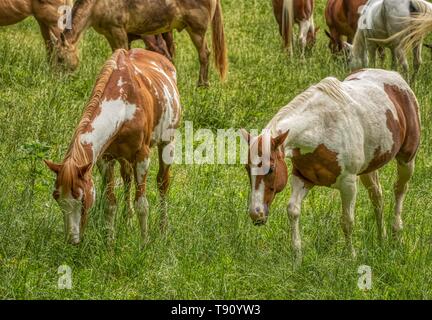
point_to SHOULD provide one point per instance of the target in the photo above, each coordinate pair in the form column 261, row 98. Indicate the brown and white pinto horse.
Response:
column 342, row 19
column 134, row 106
column 288, row 12
column 118, row 19
column 332, row 133
column 46, row 12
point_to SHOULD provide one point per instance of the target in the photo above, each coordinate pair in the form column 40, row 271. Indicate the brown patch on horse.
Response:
column 319, row 168
column 342, row 18
column 380, row 159
column 408, row 113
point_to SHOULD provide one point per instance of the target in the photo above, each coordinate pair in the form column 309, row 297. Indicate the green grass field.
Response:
column 212, row 250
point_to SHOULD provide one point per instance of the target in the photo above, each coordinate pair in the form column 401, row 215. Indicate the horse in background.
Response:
column 160, row 43
column 332, row 133
column 382, row 20
column 134, row 106
column 419, row 26
column 45, row 12
column 115, row 19
column 290, row 12
column 342, row 19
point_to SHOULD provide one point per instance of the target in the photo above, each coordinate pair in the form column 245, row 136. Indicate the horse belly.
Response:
column 150, row 17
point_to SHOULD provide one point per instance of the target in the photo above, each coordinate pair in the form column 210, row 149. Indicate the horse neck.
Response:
column 78, row 154
column 81, row 19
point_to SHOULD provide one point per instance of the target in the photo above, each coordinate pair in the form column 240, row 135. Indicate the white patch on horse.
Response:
column 169, row 116
column 114, row 113
column 142, row 169
column 257, row 196
column 71, row 209
column 121, row 83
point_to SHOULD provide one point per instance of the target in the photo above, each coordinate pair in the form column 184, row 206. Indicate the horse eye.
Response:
column 56, row 195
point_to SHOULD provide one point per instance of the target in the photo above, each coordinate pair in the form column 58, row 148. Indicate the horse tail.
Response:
column 288, row 24
column 419, row 25
column 219, row 43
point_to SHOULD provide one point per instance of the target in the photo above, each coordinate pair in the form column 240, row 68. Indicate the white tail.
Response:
column 420, row 24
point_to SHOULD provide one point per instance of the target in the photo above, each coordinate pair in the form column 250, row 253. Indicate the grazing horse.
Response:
column 115, row 19
column 342, row 19
column 382, row 20
column 288, row 12
column 46, row 13
column 332, row 133
column 134, row 106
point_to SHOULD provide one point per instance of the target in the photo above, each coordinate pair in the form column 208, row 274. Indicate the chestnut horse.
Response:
column 288, row 12
column 134, row 106
column 45, row 12
column 115, row 19
column 332, row 133
column 342, row 19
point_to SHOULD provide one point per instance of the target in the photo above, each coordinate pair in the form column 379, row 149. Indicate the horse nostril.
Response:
column 257, row 210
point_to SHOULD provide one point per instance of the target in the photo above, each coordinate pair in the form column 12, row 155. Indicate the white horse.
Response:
column 381, row 23
column 332, row 133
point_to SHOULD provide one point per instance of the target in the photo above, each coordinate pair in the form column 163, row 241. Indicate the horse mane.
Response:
column 76, row 152
column 80, row 12
column 330, row 86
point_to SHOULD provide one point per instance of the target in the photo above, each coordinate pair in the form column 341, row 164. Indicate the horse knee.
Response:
column 293, row 211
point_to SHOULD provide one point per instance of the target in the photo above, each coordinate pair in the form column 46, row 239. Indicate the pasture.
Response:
column 211, row 250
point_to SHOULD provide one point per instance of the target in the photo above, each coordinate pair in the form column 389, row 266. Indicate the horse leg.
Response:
column 304, row 29
column 417, row 56
column 118, row 39
column 299, row 192
column 373, row 186
column 163, row 181
column 382, row 56
column 169, row 40
column 402, row 60
column 47, row 39
column 199, row 40
column 348, row 191
column 404, row 173
column 126, row 173
column 372, row 50
column 106, row 169
column 141, row 204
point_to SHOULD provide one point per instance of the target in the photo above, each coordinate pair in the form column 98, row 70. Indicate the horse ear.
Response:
column 279, row 140
column 54, row 167
column 84, row 169
column 245, row 135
